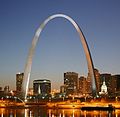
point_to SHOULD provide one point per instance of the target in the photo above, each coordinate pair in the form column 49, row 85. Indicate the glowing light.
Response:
column 25, row 100
column 39, row 90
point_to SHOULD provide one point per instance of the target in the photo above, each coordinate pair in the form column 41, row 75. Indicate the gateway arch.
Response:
column 28, row 66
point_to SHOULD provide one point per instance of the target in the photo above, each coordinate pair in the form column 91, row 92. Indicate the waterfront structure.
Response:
column 42, row 87
column 71, row 82
column 19, row 81
column 32, row 49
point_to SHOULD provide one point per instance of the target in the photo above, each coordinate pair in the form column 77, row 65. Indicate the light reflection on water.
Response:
column 38, row 112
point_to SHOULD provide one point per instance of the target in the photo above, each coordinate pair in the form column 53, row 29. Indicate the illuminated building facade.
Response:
column 19, row 81
column 110, row 83
column 71, row 82
column 116, row 84
column 103, row 89
column 42, row 86
column 63, row 89
column 98, row 81
column 82, row 85
column 88, row 85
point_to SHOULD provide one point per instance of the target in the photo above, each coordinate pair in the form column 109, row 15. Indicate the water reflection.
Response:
column 39, row 112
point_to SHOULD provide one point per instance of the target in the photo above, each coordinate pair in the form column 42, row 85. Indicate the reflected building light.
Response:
column 49, row 113
column 109, row 114
column 53, row 115
column 73, row 113
column 100, row 114
column 26, row 113
column 85, row 114
column 2, row 114
column 11, row 115
column 15, row 114
column 63, row 113
column 96, row 112
column 60, row 115
column 31, row 114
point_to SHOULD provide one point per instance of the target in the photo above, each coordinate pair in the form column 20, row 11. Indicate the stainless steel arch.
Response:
column 32, row 49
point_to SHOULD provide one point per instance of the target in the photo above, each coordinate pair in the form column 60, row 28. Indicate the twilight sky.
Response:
column 59, row 49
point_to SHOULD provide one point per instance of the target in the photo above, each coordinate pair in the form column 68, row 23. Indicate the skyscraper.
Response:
column 98, row 82
column 116, row 84
column 19, row 80
column 82, row 85
column 71, row 82
column 88, row 85
column 42, row 86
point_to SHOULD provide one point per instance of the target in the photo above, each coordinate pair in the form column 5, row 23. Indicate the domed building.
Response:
column 103, row 89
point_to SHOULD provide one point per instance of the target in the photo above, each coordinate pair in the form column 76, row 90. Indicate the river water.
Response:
column 39, row 112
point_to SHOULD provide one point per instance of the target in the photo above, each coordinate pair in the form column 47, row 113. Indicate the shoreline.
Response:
column 63, row 105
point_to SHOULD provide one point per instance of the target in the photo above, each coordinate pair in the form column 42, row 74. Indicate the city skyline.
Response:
column 59, row 49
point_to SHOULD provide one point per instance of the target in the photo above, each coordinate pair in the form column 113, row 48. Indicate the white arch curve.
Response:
column 32, row 49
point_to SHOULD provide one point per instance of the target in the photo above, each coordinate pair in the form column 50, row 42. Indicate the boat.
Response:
column 103, row 108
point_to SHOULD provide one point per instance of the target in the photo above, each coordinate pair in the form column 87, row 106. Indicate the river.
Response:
column 41, row 112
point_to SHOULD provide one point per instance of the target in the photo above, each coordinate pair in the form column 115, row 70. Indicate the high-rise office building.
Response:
column 116, row 84
column 88, row 85
column 82, row 85
column 71, row 82
column 42, row 86
column 19, row 80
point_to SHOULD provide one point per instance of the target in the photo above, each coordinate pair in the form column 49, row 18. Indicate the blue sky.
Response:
column 59, row 49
